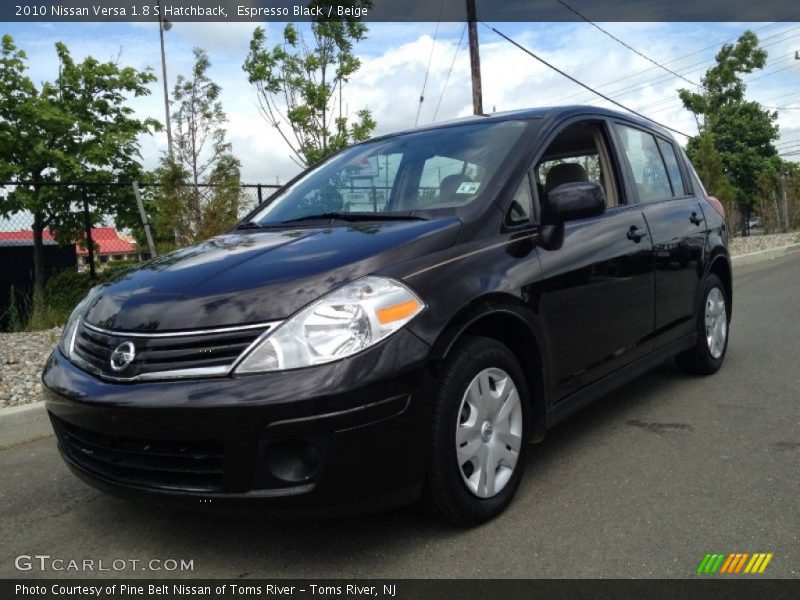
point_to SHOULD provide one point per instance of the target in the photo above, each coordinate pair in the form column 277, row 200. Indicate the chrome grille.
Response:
column 164, row 355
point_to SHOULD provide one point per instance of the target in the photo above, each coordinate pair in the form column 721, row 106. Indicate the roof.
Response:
column 25, row 235
column 107, row 240
column 542, row 112
column 24, row 238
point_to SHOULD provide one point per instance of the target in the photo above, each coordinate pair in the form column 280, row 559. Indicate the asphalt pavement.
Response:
column 641, row 484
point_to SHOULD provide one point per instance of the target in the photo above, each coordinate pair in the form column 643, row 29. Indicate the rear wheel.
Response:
column 709, row 351
column 478, row 434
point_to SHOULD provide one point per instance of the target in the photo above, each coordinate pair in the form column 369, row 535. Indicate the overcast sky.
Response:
column 394, row 62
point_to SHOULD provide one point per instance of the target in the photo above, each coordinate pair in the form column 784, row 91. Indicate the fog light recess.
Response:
column 293, row 461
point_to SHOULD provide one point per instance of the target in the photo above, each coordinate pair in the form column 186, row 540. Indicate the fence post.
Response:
column 145, row 222
column 260, row 200
column 87, row 222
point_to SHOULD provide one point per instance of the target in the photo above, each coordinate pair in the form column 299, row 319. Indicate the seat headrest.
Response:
column 449, row 185
column 564, row 173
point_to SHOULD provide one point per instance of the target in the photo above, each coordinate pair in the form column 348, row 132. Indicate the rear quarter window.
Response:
column 673, row 168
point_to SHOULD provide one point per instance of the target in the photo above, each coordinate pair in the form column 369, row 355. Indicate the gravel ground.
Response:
column 22, row 357
column 23, row 354
column 754, row 243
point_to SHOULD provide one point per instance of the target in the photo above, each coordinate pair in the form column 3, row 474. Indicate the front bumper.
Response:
column 350, row 434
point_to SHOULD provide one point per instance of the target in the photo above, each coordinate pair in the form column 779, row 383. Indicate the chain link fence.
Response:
column 85, row 232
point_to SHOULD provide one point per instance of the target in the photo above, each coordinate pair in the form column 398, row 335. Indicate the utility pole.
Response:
column 164, row 25
column 474, row 59
column 784, row 214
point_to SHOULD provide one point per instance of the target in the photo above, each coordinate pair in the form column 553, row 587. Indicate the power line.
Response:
column 580, row 83
column 693, row 68
column 628, row 46
column 782, row 96
column 651, row 107
column 773, row 72
column 430, row 59
column 687, row 68
column 449, row 71
column 699, row 67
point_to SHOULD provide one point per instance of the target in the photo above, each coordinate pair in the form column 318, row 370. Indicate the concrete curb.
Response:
column 20, row 424
column 762, row 255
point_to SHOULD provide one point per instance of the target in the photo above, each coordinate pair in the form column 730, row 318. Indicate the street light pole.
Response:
column 164, row 25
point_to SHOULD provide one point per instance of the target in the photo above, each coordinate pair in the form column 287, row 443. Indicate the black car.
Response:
column 398, row 323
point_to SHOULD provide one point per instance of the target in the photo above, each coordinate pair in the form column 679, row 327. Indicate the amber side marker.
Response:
column 397, row 311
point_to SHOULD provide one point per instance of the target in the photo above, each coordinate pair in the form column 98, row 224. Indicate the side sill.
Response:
column 583, row 397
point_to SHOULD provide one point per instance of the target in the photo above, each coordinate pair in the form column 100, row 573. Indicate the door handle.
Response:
column 696, row 219
column 636, row 233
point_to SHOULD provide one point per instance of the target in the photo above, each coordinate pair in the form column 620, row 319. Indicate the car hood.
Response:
column 258, row 275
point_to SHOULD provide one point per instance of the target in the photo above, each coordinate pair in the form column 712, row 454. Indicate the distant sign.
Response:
column 367, row 167
column 358, row 196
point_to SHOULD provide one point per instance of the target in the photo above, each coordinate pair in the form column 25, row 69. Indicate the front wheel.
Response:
column 709, row 351
column 478, row 434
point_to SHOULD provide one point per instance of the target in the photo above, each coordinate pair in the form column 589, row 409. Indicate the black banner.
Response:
column 404, row 589
column 398, row 10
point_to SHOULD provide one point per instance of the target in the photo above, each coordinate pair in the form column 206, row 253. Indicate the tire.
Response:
column 474, row 401
column 708, row 353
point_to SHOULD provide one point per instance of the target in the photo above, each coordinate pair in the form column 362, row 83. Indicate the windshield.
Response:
column 440, row 168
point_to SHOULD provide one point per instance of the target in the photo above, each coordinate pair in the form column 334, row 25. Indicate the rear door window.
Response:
column 647, row 166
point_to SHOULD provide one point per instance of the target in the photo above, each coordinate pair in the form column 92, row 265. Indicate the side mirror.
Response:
column 574, row 200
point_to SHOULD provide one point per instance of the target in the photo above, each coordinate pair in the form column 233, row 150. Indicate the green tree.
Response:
column 768, row 197
column 742, row 132
column 297, row 84
column 707, row 160
column 79, row 128
column 210, row 203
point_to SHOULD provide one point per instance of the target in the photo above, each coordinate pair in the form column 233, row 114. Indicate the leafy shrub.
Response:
column 66, row 288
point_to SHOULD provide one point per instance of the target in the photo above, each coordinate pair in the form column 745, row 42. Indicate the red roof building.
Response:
column 108, row 242
column 24, row 236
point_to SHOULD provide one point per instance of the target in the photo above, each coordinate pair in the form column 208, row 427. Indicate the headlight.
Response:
column 340, row 324
column 71, row 328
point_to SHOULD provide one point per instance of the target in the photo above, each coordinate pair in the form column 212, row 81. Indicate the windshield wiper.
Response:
column 250, row 225
column 358, row 217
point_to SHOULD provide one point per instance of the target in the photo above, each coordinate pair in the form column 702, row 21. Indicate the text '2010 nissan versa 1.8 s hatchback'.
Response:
column 400, row 321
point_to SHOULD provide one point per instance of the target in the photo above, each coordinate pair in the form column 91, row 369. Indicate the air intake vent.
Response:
column 188, row 466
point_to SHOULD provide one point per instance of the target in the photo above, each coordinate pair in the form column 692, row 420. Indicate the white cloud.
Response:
column 394, row 62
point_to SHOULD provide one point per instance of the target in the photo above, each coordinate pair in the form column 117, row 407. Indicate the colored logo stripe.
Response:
column 758, row 563
column 733, row 563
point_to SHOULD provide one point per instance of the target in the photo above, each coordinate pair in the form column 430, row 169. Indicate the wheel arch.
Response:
column 508, row 321
column 721, row 267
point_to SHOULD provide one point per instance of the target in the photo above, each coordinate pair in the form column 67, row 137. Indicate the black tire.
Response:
column 699, row 360
column 445, row 493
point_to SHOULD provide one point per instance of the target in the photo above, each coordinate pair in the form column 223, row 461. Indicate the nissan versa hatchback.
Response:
column 399, row 322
